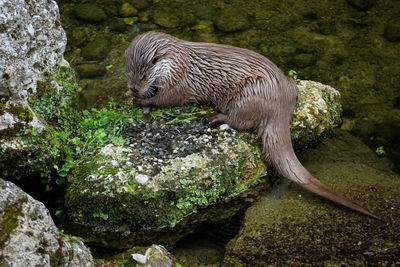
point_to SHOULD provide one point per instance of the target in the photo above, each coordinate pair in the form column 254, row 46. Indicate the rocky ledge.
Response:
column 174, row 167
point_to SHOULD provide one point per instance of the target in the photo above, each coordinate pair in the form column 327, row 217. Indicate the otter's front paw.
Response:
column 141, row 102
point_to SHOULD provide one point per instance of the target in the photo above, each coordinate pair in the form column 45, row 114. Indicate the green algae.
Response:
column 294, row 227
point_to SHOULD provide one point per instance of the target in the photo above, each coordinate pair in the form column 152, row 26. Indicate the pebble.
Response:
column 156, row 142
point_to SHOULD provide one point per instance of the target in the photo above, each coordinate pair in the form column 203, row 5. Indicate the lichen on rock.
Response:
column 317, row 112
column 131, row 188
column 172, row 168
column 29, row 237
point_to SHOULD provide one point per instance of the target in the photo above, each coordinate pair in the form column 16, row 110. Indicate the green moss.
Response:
column 334, row 109
column 299, row 228
column 57, row 257
column 24, row 114
column 9, row 221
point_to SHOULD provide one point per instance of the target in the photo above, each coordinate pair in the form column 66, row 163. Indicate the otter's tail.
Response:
column 277, row 147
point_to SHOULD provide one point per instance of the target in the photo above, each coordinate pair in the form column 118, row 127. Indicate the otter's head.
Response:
column 151, row 62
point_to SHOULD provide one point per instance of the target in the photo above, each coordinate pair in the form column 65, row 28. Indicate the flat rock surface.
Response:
column 293, row 227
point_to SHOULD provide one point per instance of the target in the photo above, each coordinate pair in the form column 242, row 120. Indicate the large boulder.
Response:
column 37, row 90
column 29, row 237
column 172, row 169
column 293, row 227
column 32, row 43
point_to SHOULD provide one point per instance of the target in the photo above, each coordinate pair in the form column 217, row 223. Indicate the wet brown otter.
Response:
column 250, row 91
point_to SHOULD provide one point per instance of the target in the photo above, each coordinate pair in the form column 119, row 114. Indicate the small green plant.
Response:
column 293, row 74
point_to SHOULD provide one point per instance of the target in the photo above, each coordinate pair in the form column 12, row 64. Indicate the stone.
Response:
column 32, row 43
column 362, row 5
column 232, row 19
column 127, row 10
column 133, row 191
column 97, row 49
column 29, row 237
column 206, row 12
column 141, row 4
column 117, row 25
column 290, row 225
column 166, row 17
column 304, row 60
column 155, row 256
column 91, row 70
column 90, row 12
column 392, row 30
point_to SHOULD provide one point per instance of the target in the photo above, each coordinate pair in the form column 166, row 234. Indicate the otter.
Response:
column 250, row 91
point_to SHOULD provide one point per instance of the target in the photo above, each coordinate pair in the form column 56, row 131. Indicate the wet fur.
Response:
column 250, row 91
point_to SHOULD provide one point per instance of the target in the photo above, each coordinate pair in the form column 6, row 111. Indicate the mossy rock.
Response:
column 317, row 113
column 293, row 227
column 166, row 16
column 232, row 19
column 97, row 49
column 90, row 12
column 126, row 194
column 29, row 152
column 129, row 189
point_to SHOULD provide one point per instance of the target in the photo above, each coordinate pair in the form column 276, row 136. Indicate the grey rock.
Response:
column 32, row 42
column 156, row 183
column 29, row 235
column 90, row 12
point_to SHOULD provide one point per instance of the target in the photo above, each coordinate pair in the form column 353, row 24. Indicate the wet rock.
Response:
column 166, row 17
column 131, row 192
column 91, row 70
column 206, row 12
column 392, row 30
column 362, row 5
column 204, row 26
column 141, row 4
column 29, row 237
column 293, row 225
column 117, row 25
column 206, row 37
column 97, row 49
column 127, row 10
column 304, row 60
column 155, row 256
column 90, row 12
column 232, row 19
column 77, row 37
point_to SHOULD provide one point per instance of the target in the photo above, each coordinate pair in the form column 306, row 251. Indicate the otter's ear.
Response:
column 154, row 61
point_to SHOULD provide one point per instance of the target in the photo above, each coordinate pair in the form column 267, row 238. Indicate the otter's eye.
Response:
column 154, row 61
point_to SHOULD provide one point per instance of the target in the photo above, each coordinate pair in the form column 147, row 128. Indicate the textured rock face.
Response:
column 29, row 237
column 293, row 227
column 32, row 42
column 169, row 171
